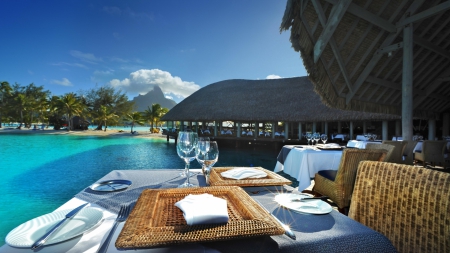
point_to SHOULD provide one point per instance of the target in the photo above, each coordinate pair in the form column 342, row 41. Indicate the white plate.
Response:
column 312, row 206
column 111, row 185
column 27, row 233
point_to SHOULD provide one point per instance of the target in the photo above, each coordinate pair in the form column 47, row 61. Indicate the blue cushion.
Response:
column 328, row 174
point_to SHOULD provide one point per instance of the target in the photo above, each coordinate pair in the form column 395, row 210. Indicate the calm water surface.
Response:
column 41, row 172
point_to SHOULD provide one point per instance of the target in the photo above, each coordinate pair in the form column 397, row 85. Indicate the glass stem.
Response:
column 186, row 171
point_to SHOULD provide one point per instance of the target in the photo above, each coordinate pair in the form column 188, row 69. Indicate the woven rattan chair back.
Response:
column 432, row 152
column 387, row 147
column 408, row 152
column 340, row 190
column 409, row 205
column 397, row 153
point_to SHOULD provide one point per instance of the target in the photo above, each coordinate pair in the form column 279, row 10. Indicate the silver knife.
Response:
column 41, row 241
column 286, row 228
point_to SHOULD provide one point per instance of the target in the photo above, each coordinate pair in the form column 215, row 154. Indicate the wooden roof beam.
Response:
column 430, row 46
column 376, row 57
column 424, row 14
column 432, row 87
column 368, row 16
column 337, row 12
column 334, row 47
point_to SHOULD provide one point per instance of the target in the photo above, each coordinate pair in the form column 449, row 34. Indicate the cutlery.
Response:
column 121, row 217
column 309, row 199
column 287, row 230
column 41, row 241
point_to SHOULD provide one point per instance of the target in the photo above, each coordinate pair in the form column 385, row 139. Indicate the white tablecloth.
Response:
column 304, row 163
column 359, row 144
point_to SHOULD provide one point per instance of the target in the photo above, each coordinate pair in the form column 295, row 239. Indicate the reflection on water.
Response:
column 41, row 172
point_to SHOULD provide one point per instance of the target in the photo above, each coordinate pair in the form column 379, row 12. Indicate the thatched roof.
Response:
column 288, row 99
column 353, row 52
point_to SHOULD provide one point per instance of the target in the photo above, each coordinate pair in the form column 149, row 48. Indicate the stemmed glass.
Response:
column 324, row 138
column 316, row 137
column 208, row 159
column 308, row 137
column 203, row 148
column 186, row 143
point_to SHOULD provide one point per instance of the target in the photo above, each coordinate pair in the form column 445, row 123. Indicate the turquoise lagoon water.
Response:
column 41, row 172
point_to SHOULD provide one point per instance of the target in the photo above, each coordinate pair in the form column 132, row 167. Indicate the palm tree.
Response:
column 70, row 105
column 21, row 105
column 105, row 114
column 5, row 90
column 153, row 114
column 135, row 118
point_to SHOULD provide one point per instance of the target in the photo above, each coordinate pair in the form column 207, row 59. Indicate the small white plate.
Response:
column 27, row 233
column 111, row 185
column 311, row 206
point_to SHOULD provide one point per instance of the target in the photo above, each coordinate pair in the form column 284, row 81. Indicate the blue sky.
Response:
column 68, row 46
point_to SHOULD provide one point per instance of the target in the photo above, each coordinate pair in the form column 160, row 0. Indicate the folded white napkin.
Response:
column 241, row 173
column 203, row 209
column 332, row 145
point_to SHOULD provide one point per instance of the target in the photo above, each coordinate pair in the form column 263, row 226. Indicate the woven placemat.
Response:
column 156, row 221
column 272, row 179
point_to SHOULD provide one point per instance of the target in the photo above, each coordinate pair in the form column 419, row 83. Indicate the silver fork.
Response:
column 121, row 217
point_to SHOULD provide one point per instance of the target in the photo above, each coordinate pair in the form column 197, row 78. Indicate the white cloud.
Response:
column 116, row 11
column 63, row 82
column 273, row 77
column 143, row 80
column 168, row 97
column 79, row 65
column 87, row 57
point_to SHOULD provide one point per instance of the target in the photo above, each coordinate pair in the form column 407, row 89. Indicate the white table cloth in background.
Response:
column 339, row 136
column 360, row 144
column 304, row 163
column 361, row 138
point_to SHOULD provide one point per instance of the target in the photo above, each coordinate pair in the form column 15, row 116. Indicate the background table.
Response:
column 303, row 163
column 331, row 232
column 360, row 144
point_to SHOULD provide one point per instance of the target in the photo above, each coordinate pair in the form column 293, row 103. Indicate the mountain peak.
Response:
column 155, row 96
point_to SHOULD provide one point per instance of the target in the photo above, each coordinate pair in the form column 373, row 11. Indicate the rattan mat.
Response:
column 156, row 221
column 272, row 179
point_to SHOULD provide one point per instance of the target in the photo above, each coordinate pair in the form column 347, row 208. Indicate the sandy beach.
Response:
column 112, row 132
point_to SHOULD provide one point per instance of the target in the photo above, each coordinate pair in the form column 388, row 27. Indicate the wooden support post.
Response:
column 351, row 130
column 314, row 126
column 286, row 130
column 238, row 134
column 384, row 130
column 407, row 83
column 364, row 127
column 431, row 129
column 300, row 132
column 339, row 127
column 325, row 126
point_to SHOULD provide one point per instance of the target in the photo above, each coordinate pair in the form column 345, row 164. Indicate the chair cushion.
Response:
column 328, row 174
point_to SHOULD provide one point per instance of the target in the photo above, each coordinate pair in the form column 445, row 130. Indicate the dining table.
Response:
column 331, row 232
column 302, row 162
column 360, row 144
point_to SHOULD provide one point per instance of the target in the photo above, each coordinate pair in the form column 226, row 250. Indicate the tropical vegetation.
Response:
column 101, row 106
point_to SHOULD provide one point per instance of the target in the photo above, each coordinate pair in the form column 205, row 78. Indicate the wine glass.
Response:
column 208, row 159
column 324, row 138
column 308, row 137
column 203, row 147
column 186, row 144
column 316, row 137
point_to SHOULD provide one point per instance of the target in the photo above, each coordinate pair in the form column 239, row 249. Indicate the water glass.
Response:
column 308, row 137
column 208, row 159
column 186, row 143
column 324, row 138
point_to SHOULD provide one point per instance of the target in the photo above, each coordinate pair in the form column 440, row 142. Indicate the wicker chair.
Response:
column 397, row 153
column 432, row 152
column 409, row 205
column 389, row 148
column 338, row 185
column 408, row 152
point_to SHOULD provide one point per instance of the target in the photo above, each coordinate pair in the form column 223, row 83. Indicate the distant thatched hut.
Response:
column 254, row 102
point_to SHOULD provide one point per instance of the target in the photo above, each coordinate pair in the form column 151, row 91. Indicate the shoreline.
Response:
column 115, row 133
